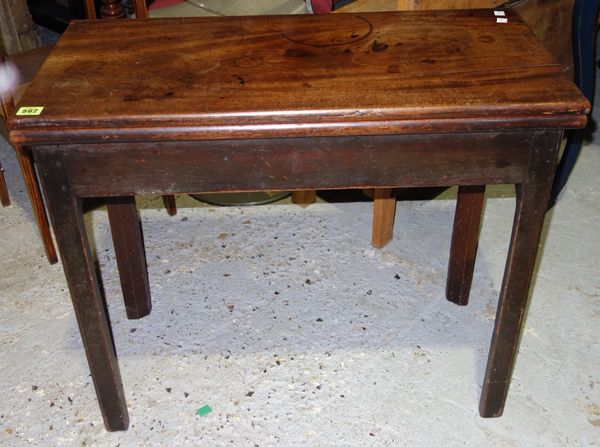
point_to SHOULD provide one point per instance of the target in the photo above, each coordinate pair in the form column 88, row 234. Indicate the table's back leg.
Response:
column 90, row 309
column 170, row 204
column 384, row 215
column 532, row 200
column 304, row 197
column 463, row 249
column 128, row 241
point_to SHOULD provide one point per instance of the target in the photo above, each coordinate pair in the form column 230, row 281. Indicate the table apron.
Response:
column 132, row 168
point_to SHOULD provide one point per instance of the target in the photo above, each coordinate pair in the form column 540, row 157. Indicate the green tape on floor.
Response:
column 203, row 411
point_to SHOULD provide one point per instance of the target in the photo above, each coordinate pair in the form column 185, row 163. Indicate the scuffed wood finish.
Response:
column 90, row 307
column 297, row 103
column 532, row 200
column 384, row 213
column 549, row 20
column 128, row 241
column 4, row 197
column 463, row 249
column 298, row 164
column 251, row 77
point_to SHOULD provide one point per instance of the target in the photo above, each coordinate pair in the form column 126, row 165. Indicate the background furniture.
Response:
column 4, row 197
column 16, row 27
column 28, row 64
column 56, row 14
column 583, row 35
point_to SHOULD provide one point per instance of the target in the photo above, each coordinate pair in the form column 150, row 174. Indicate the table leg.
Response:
column 89, row 305
column 532, row 200
column 304, row 198
column 463, row 249
column 128, row 241
column 384, row 214
column 170, row 204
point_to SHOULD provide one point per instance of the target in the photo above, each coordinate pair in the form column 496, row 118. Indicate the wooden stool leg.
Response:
column 128, row 241
column 170, row 204
column 4, row 197
column 463, row 250
column 384, row 214
column 37, row 204
column 532, row 200
column 304, row 198
column 90, row 307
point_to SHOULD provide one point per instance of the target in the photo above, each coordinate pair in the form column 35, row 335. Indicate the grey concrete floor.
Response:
column 297, row 332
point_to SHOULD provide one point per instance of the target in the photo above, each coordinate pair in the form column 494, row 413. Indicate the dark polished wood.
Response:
column 128, row 241
column 532, row 200
column 90, row 308
column 273, row 78
column 111, row 9
column 463, row 249
column 170, row 204
column 299, row 103
column 385, row 161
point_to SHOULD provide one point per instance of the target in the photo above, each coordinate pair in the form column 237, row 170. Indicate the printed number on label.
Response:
column 29, row 111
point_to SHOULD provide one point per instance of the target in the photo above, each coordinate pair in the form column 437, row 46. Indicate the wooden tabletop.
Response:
column 337, row 74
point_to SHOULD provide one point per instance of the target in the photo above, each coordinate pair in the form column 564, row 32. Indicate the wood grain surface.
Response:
column 337, row 74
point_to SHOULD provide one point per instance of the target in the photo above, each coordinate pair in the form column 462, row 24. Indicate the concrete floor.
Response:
column 296, row 332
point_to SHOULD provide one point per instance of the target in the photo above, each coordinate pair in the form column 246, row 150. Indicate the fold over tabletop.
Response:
column 279, row 76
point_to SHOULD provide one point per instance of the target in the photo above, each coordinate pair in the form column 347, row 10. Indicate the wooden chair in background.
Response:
column 583, row 36
column 28, row 63
column 4, row 197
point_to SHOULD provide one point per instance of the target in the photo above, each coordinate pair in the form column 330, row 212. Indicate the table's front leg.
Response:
column 532, row 200
column 90, row 309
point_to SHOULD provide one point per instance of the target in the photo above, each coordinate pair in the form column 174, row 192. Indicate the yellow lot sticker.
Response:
column 29, row 110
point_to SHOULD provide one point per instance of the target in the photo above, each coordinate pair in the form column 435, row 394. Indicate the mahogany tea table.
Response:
column 374, row 100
